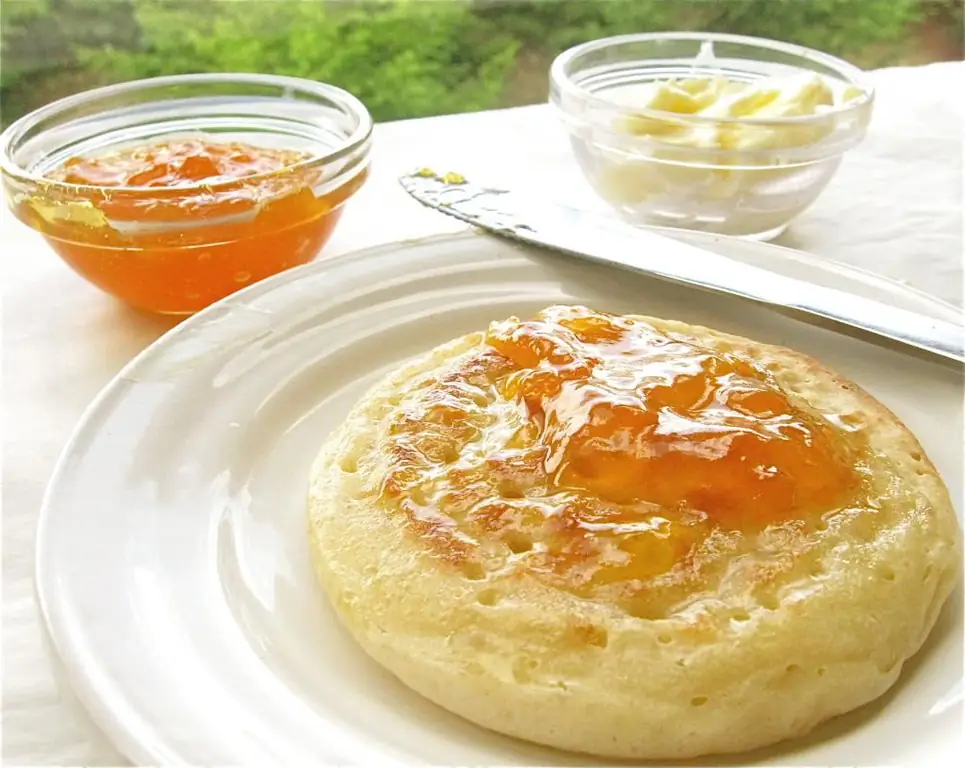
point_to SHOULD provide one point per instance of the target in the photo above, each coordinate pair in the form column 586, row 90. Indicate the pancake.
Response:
column 631, row 537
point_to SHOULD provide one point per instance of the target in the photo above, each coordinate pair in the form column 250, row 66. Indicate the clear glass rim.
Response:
column 349, row 104
column 560, row 79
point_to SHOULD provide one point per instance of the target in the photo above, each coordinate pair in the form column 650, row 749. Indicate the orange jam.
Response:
column 616, row 454
column 175, row 225
column 629, row 415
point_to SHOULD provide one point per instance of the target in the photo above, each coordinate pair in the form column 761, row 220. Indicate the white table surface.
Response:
column 895, row 207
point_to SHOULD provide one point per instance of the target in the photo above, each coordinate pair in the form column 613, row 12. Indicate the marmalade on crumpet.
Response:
column 174, row 225
column 600, row 454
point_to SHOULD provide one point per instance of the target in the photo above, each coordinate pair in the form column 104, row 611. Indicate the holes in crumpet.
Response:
column 523, row 668
column 488, row 597
column 349, row 464
column 698, row 701
column 510, row 489
column 517, row 542
column 597, row 636
column 769, row 602
column 472, row 571
column 475, row 669
column 646, row 610
column 851, row 420
column 664, row 639
column 888, row 574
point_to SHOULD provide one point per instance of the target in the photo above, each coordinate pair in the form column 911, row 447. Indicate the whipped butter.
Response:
column 718, row 98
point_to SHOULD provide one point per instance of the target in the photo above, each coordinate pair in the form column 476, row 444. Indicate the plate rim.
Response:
column 120, row 723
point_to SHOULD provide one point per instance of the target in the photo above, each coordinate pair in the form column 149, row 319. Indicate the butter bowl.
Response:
column 711, row 132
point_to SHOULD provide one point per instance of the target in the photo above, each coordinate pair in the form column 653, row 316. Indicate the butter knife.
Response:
column 583, row 234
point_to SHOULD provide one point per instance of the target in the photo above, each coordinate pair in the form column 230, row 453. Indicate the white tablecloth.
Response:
column 895, row 207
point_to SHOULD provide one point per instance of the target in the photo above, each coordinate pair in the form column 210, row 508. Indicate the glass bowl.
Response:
column 175, row 249
column 681, row 172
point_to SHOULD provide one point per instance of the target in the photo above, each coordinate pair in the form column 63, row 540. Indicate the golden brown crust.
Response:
column 794, row 628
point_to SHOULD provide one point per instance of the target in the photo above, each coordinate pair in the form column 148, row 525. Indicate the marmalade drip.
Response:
column 597, row 451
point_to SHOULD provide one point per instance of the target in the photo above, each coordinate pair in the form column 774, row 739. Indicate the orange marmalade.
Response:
column 175, row 225
column 602, row 454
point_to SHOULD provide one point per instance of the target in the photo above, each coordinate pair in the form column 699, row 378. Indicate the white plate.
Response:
column 171, row 562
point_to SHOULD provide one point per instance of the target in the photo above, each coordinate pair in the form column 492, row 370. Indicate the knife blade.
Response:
column 587, row 235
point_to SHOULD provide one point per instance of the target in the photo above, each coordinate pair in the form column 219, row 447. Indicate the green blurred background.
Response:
column 411, row 58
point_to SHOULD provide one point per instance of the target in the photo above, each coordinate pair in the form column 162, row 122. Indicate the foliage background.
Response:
column 410, row 58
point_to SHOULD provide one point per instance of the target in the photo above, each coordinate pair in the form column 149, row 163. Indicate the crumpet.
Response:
column 631, row 537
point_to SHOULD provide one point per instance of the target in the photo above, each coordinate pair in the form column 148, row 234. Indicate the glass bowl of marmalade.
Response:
column 173, row 192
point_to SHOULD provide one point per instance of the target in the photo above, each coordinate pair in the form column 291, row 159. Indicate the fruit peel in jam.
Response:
column 178, row 223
